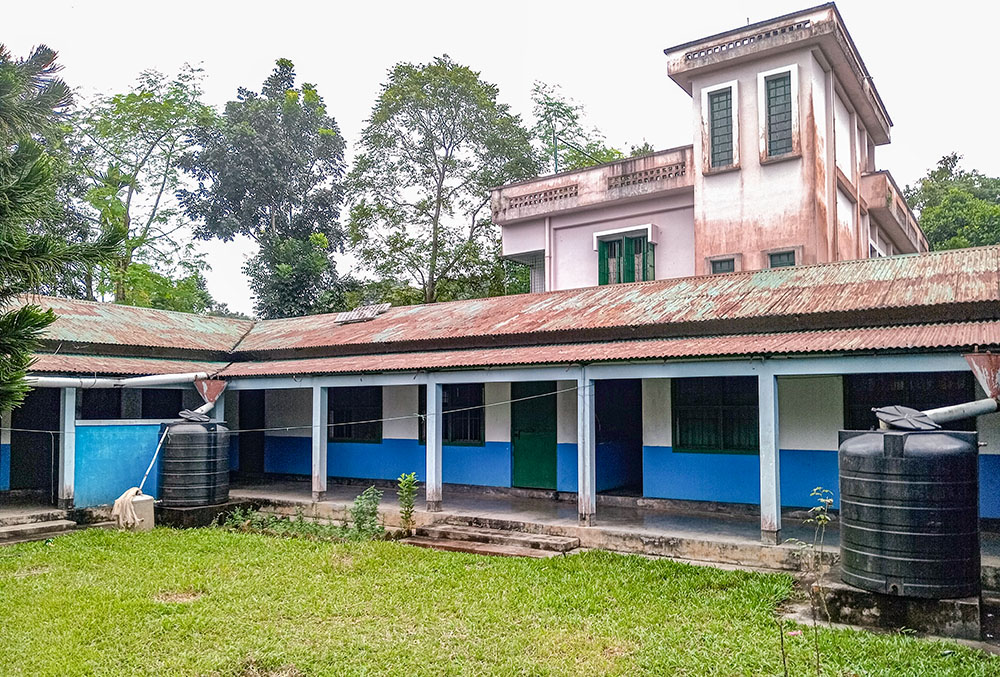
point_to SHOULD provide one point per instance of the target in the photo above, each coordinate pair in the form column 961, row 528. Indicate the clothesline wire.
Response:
column 365, row 422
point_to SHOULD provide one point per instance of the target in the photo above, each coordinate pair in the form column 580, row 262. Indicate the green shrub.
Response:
column 365, row 525
column 407, row 493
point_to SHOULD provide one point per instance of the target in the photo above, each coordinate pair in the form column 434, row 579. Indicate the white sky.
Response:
column 933, row 63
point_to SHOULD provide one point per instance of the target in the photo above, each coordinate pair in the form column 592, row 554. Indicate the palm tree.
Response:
column 32, row 100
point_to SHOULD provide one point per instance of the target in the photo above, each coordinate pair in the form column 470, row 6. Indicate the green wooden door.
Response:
column 533, row 435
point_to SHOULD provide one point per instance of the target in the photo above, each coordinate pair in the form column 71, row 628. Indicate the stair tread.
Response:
column 477, row 548
column 461, row 532
column 32, row 527
column 22, row 519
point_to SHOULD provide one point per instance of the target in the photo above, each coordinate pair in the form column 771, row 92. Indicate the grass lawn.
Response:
column 207, row 601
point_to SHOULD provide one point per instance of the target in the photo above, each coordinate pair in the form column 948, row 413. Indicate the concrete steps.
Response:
column 485, row 541
column 29, row 516
column 35, row 531
column 477, row 548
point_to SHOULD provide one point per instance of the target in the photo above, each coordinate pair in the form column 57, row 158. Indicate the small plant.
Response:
column 812, row 556
column 365, row 525
column 407, row 494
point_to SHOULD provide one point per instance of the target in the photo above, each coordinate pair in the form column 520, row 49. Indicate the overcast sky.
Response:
column 935, row 69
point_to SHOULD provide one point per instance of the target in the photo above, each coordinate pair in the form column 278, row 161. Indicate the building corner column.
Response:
column 770, row 475
column 320, row 435
column 586, row 449
column 433, row 436
column 67, row 448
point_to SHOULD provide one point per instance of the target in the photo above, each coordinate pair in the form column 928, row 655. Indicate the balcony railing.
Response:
column 886, row 203
column 665, row 171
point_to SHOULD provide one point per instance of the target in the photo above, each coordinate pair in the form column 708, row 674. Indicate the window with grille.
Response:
column 864, row 392
column 779, row 114
column 626, row 259
column 715, row 415
column 781, row 259
column 723, row 266
column 720, row 120
column 464, row 427
column 355, row 414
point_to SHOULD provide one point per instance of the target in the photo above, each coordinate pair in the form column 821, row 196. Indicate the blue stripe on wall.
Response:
column 288, row 455
column 989, row 485
column 726, row 478
column 802, row 471
column 385, row 461
column 4, row 467
column 487, row 466
column 111, row 459
column 566, row 466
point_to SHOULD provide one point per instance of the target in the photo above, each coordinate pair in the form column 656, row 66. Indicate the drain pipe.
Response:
column 95, row 382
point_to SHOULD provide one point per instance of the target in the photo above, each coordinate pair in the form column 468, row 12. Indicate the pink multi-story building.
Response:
column 781, row 171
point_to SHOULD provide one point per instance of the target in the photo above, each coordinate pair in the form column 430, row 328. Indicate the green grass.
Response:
column 208, row 601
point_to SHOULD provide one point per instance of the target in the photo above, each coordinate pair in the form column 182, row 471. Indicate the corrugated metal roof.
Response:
column 64, row 363
column 109, row 323
column 917, row 282
column 955, row 335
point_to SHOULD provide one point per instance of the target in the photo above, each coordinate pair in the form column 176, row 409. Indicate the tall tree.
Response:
column 957, row 208
column 32, row 98
column 560, row 132
column 130, row 147
column 270, row 169
column 437, row 140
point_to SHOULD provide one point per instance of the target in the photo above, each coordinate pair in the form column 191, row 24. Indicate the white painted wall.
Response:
column 657, row 428
column 400, row 401
column 497, row 416
column 5, row 424
column 989, row 428
column 291, row 408
column 566, row 424
column 810, row 412
column 842, row 135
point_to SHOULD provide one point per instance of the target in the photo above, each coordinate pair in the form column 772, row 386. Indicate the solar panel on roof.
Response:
column 362, row 313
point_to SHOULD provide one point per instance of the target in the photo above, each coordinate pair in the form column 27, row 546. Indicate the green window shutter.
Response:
column 602, row 262
column 628, row 259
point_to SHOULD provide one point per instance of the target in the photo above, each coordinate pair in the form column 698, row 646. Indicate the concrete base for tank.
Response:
column 202, row 516
column 958, row 618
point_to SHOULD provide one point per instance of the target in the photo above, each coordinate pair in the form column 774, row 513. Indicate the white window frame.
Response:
column 649, row 229
column 706, row 121
column 793, row 71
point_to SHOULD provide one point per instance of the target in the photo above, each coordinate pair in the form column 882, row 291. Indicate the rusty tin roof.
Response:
column 112, row 324
column 958, row 335
column 65, row 363
column 922, row 285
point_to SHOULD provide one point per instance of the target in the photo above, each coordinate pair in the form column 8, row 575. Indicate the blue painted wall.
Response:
column 113, row 458
column 4, row 467
column 727, row 478
column 234, row 451
column 804, row 470
column 989, row 485
column 566, row 466
column 385, row 461
column 488, row 466
column 288, row 455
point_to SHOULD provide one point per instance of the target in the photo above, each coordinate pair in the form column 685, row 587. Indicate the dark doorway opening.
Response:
column 618, row 409
column 533, row 434
column 33, row 455
column 251, row 420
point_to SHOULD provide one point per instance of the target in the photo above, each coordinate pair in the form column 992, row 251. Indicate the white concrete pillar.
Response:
column 219, row 410
column 67, row 447
column 320, row 435
column 770, row 484
column 586, row 449
column 434, row 437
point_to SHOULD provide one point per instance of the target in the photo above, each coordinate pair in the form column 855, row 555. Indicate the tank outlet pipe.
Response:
column 94, row 382
column 965, row 410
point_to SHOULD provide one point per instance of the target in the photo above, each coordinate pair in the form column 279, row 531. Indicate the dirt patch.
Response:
column 177, row 597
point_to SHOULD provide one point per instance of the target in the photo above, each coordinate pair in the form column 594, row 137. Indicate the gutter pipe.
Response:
column 136, row 382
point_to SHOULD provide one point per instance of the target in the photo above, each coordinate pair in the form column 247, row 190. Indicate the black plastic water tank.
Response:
column 194, row 466
column 909, row 512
